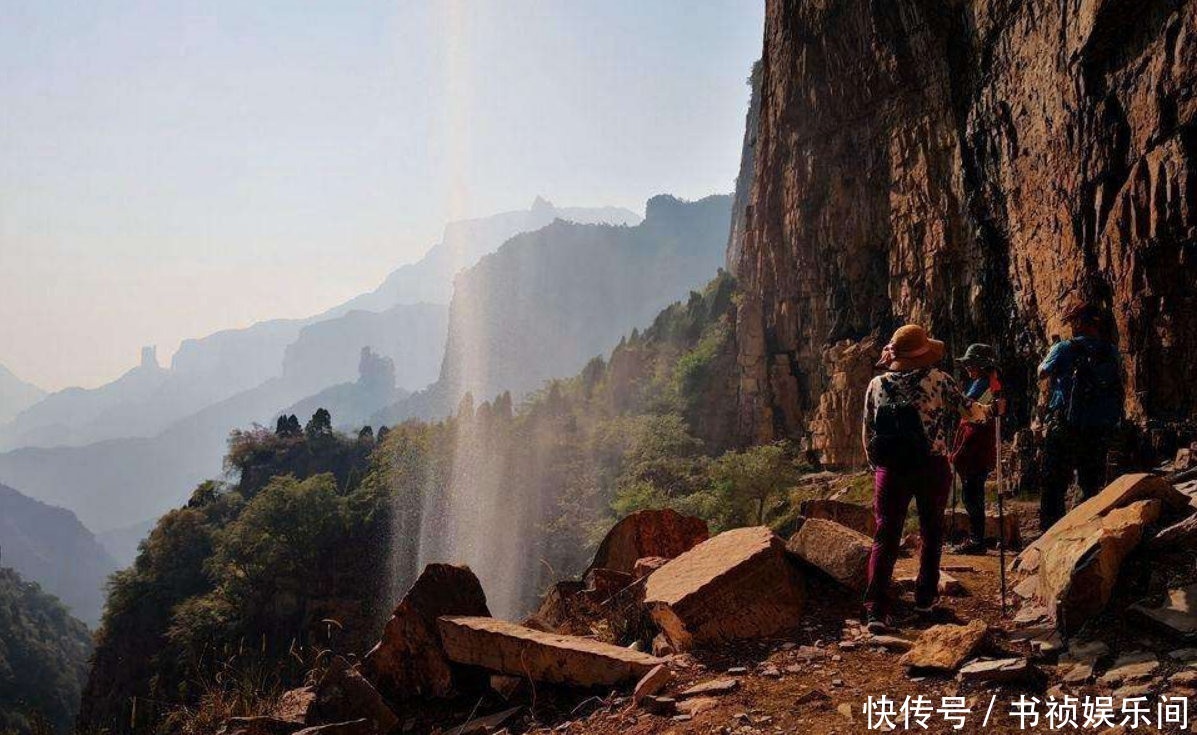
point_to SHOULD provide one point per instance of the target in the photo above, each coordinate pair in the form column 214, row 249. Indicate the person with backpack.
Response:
column 909, row 413
column 975, row 453
column 1085, row 406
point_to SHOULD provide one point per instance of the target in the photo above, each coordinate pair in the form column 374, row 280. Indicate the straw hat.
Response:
column 911, row 348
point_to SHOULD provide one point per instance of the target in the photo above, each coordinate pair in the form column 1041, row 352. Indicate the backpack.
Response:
column 1096, row 398
column 899, row 440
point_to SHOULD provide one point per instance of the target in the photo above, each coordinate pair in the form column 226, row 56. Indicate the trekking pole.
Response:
column 1001, row 513
column 952, row 527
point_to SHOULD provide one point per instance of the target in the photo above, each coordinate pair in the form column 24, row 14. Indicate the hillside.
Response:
column 548, row 301
column 43, row 659
column 49, row 546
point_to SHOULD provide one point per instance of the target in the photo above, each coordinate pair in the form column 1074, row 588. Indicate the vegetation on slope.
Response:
column 43, row 658
column 289, row 558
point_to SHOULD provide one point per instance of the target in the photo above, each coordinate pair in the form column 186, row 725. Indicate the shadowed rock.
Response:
column 409, row 661
column 664, row 532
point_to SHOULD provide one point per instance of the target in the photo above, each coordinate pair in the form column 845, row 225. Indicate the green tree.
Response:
column 754, row 478
column 319, row 425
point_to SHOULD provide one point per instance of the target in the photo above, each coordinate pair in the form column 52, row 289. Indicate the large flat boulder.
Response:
column 664, row 532
column 1176, row 615
column 507, row 648
column 946, row 647
column 409, row 660
column 853, row 515
column 835, row 549
column 1119, row 493
column 1078, row 570
column 736, row 585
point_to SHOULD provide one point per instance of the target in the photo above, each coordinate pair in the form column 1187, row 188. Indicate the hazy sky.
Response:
column 168, row 169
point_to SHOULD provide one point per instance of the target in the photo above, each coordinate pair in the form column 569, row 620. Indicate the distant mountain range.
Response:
column 50, row 546
column 127, row 451
column 548, row 301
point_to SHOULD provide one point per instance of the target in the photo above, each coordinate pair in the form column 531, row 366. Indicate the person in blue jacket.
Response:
column 1085, row 406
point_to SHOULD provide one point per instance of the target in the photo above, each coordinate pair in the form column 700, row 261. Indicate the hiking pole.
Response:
column 952, row 527
column 997, row 425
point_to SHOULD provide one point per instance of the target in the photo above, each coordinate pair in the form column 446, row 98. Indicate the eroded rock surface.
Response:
column 971, row 166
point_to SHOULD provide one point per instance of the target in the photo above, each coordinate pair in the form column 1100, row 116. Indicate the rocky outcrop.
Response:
column 971, row 166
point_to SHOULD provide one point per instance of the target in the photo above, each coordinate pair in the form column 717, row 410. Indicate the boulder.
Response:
column 409, row 661
column 1132, row 668
column 507, row 648
column 736, row 585
column 946, row 647
column 1009, row 533
column 258, row 726
column 297, row 705
column 1176, row 615
column 343, row 695
column 1078, row 570
column 664, row 532
column 853, row 515
column 835, row 549
column 1120, row 493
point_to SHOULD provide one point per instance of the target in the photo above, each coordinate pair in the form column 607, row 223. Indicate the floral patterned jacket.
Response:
column 940, row 401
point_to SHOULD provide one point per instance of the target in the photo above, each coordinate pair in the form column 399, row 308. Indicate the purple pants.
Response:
column 929, row 485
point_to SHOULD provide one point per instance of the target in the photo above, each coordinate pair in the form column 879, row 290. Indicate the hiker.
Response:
column 908, row 414
column 1085, row 406
column 975, row 453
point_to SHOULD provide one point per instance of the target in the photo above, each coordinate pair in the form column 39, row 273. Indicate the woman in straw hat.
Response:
column 910, row 412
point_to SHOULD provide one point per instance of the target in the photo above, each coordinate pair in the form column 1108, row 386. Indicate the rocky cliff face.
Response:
column 971, row 165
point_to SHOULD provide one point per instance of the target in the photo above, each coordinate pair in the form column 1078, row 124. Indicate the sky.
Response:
column 170, row 169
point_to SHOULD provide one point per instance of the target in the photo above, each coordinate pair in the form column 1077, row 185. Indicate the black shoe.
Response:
column 875, row 624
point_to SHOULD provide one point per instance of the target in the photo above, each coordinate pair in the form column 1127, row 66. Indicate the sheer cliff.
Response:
column 972, row 165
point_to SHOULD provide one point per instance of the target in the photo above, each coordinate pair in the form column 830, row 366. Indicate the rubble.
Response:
column 647, row 565
column 707, row 688
column 1131, row 668
column 1177, row 614
column 507, row 648
column 487, row 724
column 351, row 727
column 409, row 660
column 258, row 726
column 663, row 532
column 1078, row 570
column 998, row 670
column 835, row 549
column 738, row 584
column 297, row 705
column 652, row 682
column 946, row 647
